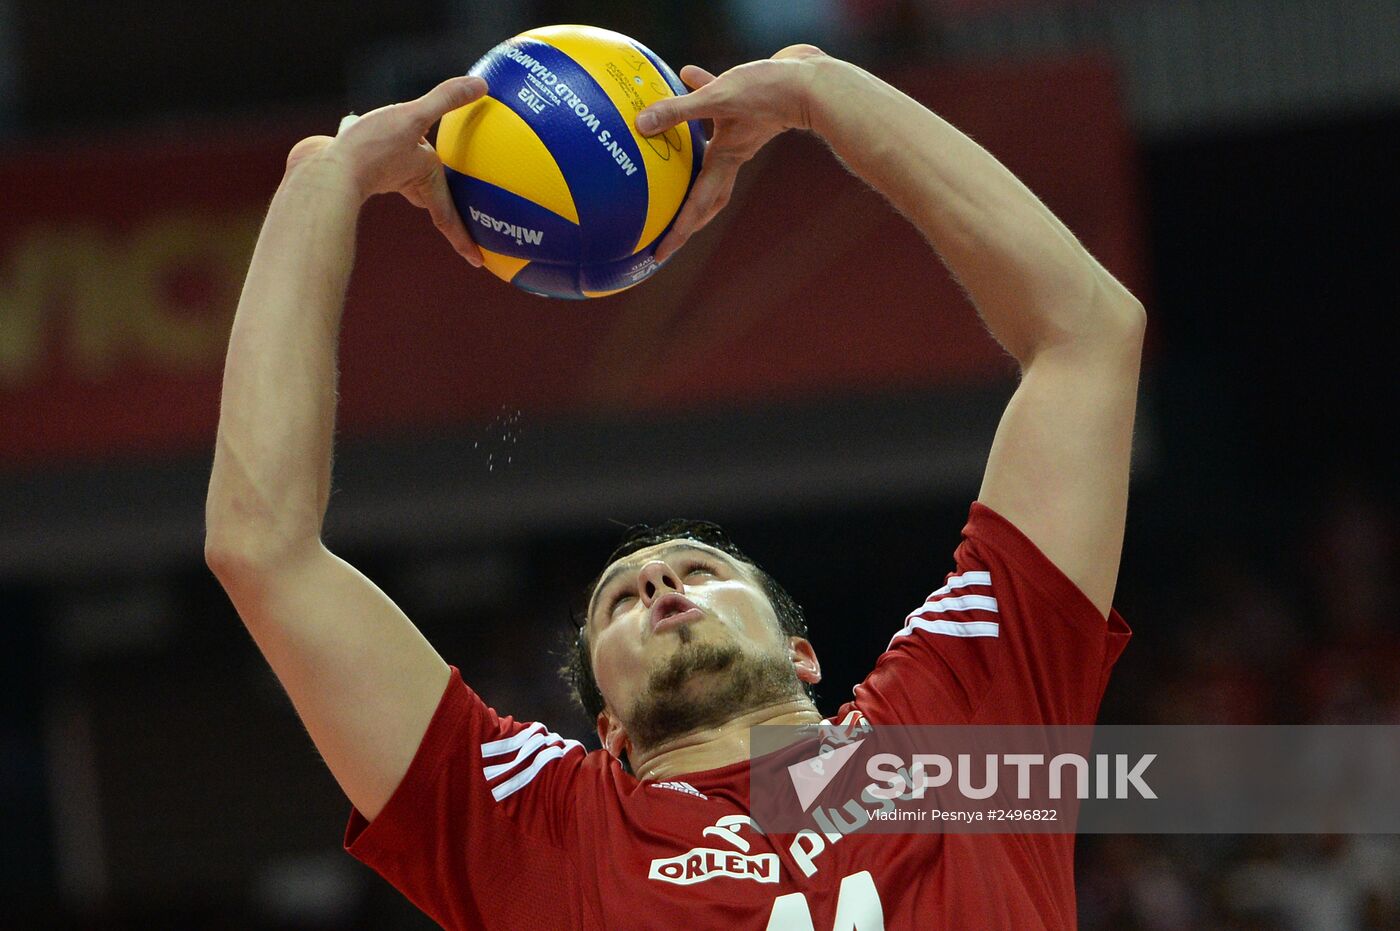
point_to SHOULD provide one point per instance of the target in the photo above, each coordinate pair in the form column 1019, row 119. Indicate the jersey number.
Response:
column 857, row 908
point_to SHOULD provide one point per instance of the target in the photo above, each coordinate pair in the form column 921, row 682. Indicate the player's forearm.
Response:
column 1030, row 279
column 272, row 460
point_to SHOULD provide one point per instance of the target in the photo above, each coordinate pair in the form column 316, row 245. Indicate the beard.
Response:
column 673, row 704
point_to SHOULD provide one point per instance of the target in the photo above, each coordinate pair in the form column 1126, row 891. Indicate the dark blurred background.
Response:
column 1234, row 162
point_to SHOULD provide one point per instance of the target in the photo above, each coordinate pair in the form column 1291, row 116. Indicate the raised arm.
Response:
column 363, row 679
column 1058, row 467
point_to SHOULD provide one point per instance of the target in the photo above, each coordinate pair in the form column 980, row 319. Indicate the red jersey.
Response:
column 504, row 824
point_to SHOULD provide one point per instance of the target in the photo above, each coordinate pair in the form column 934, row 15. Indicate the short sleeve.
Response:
column 1007, row 639
column 477, row 835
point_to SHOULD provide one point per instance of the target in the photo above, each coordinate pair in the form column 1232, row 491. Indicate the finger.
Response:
column 346, row 122
column 709, row 196
column 701, row 103
column 696, row 77
column 670, row 245
column 433, row 194
column 446, row 97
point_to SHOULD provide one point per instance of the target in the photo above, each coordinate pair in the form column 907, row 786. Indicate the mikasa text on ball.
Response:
column 562, row 194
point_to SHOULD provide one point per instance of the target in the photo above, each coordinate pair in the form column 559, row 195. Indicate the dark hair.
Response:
column 578, row 665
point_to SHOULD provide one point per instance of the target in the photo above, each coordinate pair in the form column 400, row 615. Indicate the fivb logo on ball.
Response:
column 547, row 83
column 561, row 193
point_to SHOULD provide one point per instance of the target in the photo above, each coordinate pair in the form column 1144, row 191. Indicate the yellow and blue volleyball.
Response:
column 561, row 193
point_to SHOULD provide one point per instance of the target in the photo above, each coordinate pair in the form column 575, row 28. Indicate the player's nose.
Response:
column 656, row 579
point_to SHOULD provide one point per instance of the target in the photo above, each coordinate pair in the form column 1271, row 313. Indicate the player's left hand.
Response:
column 749, row 105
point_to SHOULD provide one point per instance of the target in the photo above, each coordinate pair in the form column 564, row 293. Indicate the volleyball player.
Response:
column 488, row 822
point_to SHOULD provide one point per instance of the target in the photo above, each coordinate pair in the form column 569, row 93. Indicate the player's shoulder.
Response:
column 1021, row 576
column 996, row 553
column 987, row 535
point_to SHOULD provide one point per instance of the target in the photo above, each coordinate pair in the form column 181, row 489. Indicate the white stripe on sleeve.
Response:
column 952, row 628
column 534, row 744
column 962, row 581
column 523, row 778
column 957, row 603
column 507, row 744
column 529, row 747
column 930, row 615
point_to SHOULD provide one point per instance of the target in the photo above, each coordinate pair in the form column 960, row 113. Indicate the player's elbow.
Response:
column 1120, row 320
column 1103, row 323
column 240, row 559
column 234, row 565
column 224, row 559
column 1111, row 326
column 247, row 533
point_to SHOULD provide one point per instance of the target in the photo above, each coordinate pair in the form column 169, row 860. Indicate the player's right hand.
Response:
column 386, row 150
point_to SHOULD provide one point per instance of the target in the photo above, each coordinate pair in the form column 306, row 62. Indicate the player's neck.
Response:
column 714, row 747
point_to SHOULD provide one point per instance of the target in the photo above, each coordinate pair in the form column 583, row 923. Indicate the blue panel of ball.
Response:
column 611, row 204
column 532, row 231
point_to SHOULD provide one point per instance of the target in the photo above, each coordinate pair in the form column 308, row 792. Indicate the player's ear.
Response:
column 804, row 660
column 612, row 735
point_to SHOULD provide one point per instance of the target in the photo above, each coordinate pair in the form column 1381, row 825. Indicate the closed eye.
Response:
column 626, row 592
